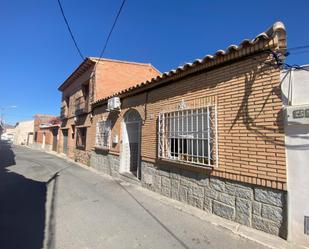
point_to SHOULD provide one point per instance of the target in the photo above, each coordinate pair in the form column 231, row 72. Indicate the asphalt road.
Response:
column 48, row 202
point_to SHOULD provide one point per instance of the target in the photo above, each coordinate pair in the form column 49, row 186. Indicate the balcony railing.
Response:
column 81, row 105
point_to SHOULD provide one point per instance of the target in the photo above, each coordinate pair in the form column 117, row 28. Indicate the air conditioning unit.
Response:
column 113, row 104
column 297, row 115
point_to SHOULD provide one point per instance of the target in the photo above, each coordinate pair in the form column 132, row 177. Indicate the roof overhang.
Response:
column 80, row 70
column 273, row 38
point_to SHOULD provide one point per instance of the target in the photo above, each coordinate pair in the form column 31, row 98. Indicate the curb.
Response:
column 264, row 239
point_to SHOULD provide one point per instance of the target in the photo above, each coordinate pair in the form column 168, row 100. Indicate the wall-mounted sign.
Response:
column 297, row 115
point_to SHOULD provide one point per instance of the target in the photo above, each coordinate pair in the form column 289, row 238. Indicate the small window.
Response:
column 103, row 134
column 85, row 89
column 81, row 138
column 189, row 136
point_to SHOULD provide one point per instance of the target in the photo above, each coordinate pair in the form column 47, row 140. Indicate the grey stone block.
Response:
column 195, row 201
column 223, row 210
column 157, row 184
column 227, row 199
column 217, row 184
column 166, row 191
column 198, row 191
column 239, row 190
column 265, row 225
column 211, row 193
column 186, row 183
column 175, row 184
column 183, row 193
column 270, row 196
column 243, row 211
column 175, row 194
column 272, row 213
column 207, row 205
column 164, row 173
column 256, row 208
column 166, row 182
column 147, row 179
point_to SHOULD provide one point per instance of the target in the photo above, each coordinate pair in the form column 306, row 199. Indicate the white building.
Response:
column 295, row 88
column 24, row 133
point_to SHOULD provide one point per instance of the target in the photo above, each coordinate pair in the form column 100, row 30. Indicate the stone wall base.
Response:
column 262, row 208
column 105, row 162
column 82, row 156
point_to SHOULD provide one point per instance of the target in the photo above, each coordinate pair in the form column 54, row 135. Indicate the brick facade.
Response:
column 249, row 184
column 110, row 76
column 250, row 124
column 41, row 119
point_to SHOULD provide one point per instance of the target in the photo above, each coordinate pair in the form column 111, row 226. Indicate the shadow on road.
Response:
column 22, row 206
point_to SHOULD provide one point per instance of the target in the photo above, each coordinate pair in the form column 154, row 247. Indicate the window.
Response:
column 103, row 134
column 189, row 136
column 67, row 101
column 85, row 89
column 81, row 138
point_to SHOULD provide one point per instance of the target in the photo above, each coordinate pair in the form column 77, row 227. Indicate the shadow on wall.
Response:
column 22, row 206
column 248, row 120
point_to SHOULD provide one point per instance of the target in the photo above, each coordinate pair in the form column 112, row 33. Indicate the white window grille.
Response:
column 103, row 134
column 189, row 136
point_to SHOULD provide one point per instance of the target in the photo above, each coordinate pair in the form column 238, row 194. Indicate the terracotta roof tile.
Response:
column 278, row 27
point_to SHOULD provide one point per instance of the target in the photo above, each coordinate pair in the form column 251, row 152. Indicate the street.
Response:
column 48, row 202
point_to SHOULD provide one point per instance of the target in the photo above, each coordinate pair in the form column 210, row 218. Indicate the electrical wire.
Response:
column 299, row 47
column 110, row 33
column 70, row 31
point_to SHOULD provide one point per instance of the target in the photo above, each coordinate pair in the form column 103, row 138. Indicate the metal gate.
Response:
column 65, row 141
column 55, row 141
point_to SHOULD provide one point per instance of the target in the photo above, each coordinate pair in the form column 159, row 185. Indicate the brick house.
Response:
column 42, row 138
column 209, row 133
column 48, row 134
column 94, row 79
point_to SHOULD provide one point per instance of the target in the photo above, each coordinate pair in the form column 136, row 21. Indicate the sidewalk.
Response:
column 259, row 237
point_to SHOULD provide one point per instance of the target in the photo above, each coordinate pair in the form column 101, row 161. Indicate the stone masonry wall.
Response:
column 105, row 162
column 258, row 207
column 82, row 156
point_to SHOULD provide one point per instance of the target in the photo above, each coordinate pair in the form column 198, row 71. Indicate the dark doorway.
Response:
column 55, row 138
column 65, row 141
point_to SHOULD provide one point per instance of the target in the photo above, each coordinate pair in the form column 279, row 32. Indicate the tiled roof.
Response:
column 217, row 58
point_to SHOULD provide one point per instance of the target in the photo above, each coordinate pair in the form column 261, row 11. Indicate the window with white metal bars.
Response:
column 189, row 136
column 103, row 134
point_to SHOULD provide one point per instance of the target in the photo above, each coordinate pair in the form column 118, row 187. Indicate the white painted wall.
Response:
column 295, row 88
column 21, row 132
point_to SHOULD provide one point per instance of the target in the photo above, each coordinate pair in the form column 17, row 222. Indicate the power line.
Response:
column 110, row 32
column 298, row 52
column 299, row 47
column 69, row 29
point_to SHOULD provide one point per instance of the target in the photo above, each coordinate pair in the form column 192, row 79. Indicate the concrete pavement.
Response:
column 46, row 201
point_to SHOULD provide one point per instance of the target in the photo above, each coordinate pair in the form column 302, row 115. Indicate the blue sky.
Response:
column 37, row 54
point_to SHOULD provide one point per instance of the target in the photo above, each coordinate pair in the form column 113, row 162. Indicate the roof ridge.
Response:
column 95, row 59
column 277, row 28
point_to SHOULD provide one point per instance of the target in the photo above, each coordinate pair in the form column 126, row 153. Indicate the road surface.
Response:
column 48, row 202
